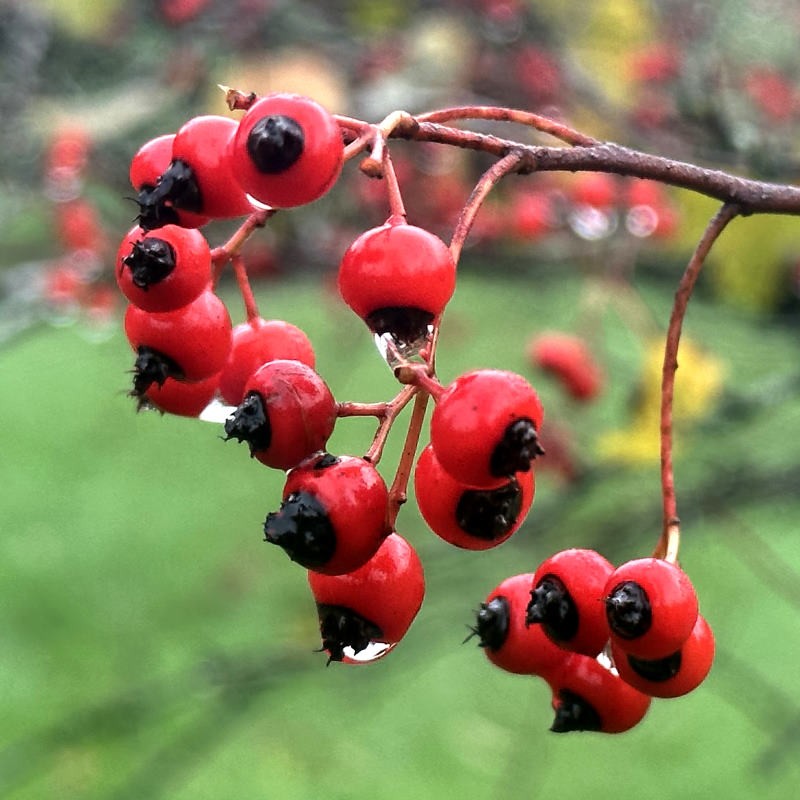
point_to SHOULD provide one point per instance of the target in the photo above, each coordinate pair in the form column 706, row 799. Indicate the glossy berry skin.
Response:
column 256, row 342
column 587, row 696
column 473, row 519
column 566, row 599
column 673, row 676
column 287, row 414
column 483, row 428
column 569, row 359
column 398, row 278
column 147, row 165
column 651, row 607
column 333, row 516
column 191, row 342
column 287, row 151
column 165, row 269
column 202, row 144
column 198, row 179
column 181, row 398
column 507, row 641
column 375, row 603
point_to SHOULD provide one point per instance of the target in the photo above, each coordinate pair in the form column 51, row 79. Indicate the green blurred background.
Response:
column 151, row 646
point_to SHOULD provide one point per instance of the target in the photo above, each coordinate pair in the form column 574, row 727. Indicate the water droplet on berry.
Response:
column 216, row 411
column 397, row 352
column 372, row 652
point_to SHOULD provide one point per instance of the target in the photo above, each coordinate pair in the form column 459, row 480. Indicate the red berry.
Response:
column 181, row 398
column 147, row 165
column 163, row 270
column 398, row 278
column 287, row 414
column 530, row 215
column 287, row 151
column 567, row 599
column 190, row 343
column 256, row 342
column 651, row 607
column 199, row 178
column 507, row 641
column 333, row 515
column 676, row 674
column 475, row 519
column 79, row 225
column 570, row 360
column 587, row 696
column 373, row 605
column 596, row 189
column 484, row 427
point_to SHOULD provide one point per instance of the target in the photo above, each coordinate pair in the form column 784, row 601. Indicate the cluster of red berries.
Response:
column 606, row 640
column 474, row 482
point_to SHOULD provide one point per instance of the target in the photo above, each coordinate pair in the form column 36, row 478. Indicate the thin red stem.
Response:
column 398, row 489
column 396, row 205
column 219, row 255
column 387, row 417
column 498, row 114
column 243, row 281
column 485, row 184
column 668, row 544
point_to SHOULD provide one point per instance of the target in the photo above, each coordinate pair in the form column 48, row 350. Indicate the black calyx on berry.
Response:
column 552, row 606
column 516, row 449
column 177, row 188
column 275, row 143
column 491, row 623
column 489, row 513
column 249, row 423
column 628, row 610
column 152, row 367
column 302, row 528
column 150, row 261
column 405, row 324
column 573, row 713
column 658, row 671
column 342, row 627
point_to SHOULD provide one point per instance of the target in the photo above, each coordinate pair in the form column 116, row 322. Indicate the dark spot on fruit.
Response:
column 628, row 610
column 342, row 627
column 517, row 448
column 275, row 143
column 325, row 460
column 406, row 324
column 150, row 261
column 249, row 423
column 573, row 713
column 489, row 513
column 151, row 367
column 302, row 528
column 552, row 606
column 491, row 624
column 658, row 671
column 177, row 188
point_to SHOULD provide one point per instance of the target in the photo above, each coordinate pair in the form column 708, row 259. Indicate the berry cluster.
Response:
column 337, row 518
column 606, row 640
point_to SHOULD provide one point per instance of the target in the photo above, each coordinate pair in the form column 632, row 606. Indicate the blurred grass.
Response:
column 152, row 647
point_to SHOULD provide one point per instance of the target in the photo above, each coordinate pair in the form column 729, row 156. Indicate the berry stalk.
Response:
column 668, row 544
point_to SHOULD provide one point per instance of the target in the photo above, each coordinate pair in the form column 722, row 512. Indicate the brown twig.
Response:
column 749, row 195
